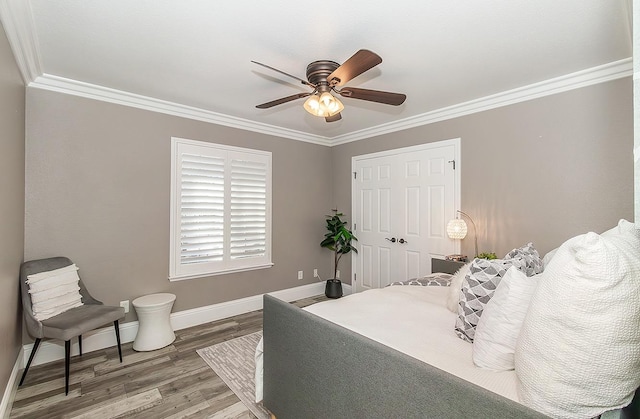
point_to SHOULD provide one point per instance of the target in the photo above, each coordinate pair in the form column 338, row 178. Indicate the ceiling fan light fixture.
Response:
column 324, row 75
column 331, row 104
column 312, row 105
column 323, row 105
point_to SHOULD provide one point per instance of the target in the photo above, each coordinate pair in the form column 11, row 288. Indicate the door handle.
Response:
column 392, row 239
column 401, row 241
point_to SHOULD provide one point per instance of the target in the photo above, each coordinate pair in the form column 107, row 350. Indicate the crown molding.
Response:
column 600, row 74
column 106, row 94
column 17, row 19
column 591, row 76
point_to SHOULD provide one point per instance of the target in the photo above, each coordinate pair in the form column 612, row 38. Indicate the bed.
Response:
column 315, row 366
column 391, row 353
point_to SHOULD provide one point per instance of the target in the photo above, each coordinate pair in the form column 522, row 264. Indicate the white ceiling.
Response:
column 195, row 55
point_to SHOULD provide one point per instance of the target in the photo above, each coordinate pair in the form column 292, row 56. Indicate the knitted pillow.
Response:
column 578, row 353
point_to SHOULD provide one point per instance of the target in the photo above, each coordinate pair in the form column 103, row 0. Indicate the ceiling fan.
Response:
column 325, row 76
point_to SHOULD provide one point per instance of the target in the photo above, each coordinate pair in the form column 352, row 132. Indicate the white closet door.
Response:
column 402, row 201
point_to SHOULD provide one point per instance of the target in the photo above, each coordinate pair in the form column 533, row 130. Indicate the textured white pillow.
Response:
column 578, row 353
column 498, row 328
column 547, row 258
column 623, row 227
column 455, row 286
column 54, row 292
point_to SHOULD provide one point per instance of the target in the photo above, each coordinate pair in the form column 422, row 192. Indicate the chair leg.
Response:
column 117, row 327
column 67, row 355
column 33, row 352
column 80, row 344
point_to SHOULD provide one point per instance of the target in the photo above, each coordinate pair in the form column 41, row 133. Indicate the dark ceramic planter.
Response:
column 333, row 289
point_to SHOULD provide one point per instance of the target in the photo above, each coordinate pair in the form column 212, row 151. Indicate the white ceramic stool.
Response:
column 154, row 328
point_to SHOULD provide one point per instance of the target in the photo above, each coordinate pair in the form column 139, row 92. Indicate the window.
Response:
column 220, row 209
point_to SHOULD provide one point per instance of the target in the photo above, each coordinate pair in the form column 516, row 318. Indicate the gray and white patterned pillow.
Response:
column 477, row 289
column 527, row 259
column 432, row 280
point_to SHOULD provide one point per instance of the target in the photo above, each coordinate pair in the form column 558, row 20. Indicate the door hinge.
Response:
column 454, row 163
column 355, row 226
column 354, row 277
column 355, row 175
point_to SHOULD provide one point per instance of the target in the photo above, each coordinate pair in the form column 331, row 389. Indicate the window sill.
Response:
column 216, row 273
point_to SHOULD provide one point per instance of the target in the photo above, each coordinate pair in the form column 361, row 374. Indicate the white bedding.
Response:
column 413, row 320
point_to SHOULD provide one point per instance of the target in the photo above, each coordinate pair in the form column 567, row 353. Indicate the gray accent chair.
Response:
column 91, row 315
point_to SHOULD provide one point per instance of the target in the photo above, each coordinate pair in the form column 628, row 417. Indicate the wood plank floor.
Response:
column 172, row 382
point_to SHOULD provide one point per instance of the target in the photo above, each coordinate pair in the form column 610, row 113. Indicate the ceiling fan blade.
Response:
column 387, row 98
column 333, row 118
column 286, row 74
column 282, row 100
column 359, row 62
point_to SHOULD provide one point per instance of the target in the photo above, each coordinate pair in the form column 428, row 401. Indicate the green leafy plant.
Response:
column 487, row 256
column 338, row 238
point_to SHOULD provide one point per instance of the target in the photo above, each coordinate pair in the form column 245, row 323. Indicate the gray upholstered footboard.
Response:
column 316, row 369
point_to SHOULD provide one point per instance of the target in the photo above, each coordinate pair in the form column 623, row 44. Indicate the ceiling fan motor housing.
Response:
column 318, row 71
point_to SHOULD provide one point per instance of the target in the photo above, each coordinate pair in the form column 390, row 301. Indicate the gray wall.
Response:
column 12, row 93
column 542, row 171
column 97, row 191
column 98, row 185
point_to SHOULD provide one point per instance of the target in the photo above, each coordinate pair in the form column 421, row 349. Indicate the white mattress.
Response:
column 413, row 320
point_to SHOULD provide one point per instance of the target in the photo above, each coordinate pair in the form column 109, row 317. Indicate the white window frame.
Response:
column 179, row 271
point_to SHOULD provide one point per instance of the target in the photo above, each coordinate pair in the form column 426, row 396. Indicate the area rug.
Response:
column 234, row 362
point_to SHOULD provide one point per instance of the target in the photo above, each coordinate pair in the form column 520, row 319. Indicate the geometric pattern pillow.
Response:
column 477, row 289
column 432, row 280
column 527, row 259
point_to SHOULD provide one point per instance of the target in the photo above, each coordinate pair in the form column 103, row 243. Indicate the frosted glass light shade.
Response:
column 457, row 229
column 331, row 104
column 324, row 105
column 312, row 105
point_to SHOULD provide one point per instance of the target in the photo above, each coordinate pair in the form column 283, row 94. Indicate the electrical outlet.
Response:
column 125, row 304
column 315, row 273
column 300, row 275
column 337, row 274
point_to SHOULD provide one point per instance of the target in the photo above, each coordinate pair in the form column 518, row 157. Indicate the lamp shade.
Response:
column 457, row 229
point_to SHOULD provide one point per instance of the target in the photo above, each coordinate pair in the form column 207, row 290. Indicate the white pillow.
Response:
column 54, row 292
column 455, row 286
column 547, row 258
column 578, row 353
column 498, row 328
column 623, row 227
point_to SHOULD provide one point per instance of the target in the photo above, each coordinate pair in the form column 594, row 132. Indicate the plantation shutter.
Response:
column 248, row 208
column 202, row 209
column 221, row 209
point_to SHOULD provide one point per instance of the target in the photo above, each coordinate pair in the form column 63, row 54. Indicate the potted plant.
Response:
column 338, row 239
column 488, row 256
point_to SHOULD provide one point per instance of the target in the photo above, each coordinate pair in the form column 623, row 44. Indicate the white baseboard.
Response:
column 346, row 289
column 104, row 338
column 12, row 386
